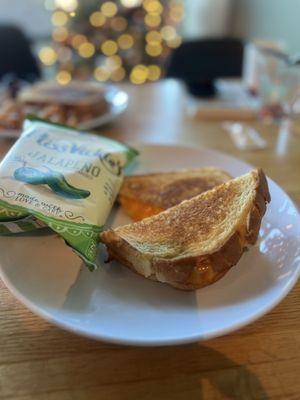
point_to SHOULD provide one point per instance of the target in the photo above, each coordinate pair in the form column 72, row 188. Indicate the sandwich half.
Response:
column 195, row 243
column 142, row 196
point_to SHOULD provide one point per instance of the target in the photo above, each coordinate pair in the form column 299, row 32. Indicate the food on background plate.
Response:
column 61, row 178
column 195, row 243
column 142, row 196
column 69, row 105
column 75, row 93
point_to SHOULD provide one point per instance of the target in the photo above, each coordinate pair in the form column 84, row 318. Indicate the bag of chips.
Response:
column 62, row 178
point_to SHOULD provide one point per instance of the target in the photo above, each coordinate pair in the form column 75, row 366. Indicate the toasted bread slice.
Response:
column 195, row 243
column 142, row 196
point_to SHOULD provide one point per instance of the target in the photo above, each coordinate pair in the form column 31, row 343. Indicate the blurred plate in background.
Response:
column 117, row 102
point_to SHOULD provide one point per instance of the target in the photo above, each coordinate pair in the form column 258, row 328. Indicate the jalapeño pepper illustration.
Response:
column 30, row 175
column 55, row 180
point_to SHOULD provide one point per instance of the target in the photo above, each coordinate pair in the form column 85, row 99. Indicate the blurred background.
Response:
column 254, row 44
column 134, row 39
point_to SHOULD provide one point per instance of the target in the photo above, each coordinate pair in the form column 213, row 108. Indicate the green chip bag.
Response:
column 67, row 180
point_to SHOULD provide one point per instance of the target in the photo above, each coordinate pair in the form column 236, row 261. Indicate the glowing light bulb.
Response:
column 153, row 6
column 174, row 43
column 153, row 38
column 125, row 41
column 139, row 74
column 97, row 19
column 67, row 5
column 109, row 47
column 60, row 34
column 59, row 18
column 153, row 51
column 168, row 32
column 118, row 74
column 77, row 40
column 109, row 9
column 47, row 56
column 152, row 20
column 113, row 62
column 154, row 72
column 63, row 77
column 176, row 11
column 131, row 3
column 119, row 24
column 102, row 74
column 86, row 50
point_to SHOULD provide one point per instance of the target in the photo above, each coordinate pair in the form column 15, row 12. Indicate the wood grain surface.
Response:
column 261, row 361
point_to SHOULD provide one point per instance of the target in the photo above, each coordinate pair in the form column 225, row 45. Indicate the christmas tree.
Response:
column 112, row 40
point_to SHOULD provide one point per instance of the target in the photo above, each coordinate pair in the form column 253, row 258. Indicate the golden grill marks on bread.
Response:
column 142, row 196
column 195, row 243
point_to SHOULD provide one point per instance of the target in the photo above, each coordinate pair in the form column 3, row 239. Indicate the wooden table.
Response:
column 260, row 361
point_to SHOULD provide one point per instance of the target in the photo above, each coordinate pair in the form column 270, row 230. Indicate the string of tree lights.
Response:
column 112, row 40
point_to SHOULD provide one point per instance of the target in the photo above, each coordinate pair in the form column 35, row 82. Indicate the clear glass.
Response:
column 279, row 86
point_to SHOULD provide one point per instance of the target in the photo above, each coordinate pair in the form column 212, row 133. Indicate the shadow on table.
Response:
column 195, row 372
column 88, row 369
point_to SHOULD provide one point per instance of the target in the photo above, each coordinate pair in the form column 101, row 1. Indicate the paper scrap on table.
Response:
column 244, row 137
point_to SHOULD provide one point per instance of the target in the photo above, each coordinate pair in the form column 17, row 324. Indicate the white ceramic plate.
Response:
column 117, row 101
column 117, row 305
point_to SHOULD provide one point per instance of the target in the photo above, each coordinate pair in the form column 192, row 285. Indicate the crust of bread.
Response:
column 190, row 272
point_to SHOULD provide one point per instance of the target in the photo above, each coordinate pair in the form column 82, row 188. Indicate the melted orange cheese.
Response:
column 138, row 210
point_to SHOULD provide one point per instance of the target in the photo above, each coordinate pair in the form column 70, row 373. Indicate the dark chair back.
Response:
column 16, row 58
column 199, row 62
